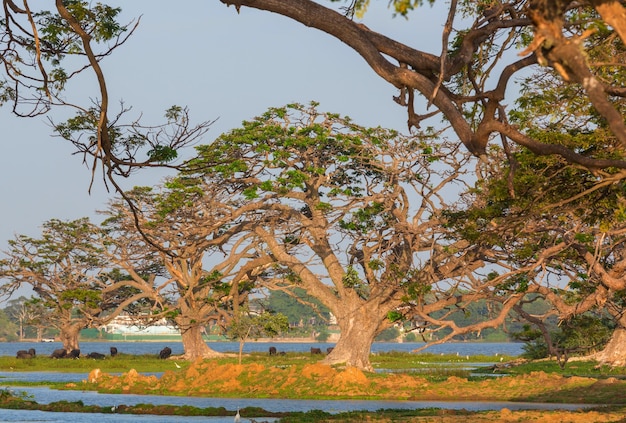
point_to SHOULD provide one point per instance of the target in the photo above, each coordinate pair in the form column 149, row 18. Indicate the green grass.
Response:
column 572, row 368
column 120, row 363
column 432, row 366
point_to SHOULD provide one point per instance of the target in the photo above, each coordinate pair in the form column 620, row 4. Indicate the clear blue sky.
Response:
column 221, row 64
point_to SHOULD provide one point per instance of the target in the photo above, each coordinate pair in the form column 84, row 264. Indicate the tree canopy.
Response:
column 350, row 214
column 68, row 269
column 470, row 82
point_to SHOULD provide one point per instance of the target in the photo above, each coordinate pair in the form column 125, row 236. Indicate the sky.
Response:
column 222, row 65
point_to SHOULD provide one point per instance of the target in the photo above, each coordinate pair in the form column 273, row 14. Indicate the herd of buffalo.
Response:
column 163, row 354
column 62, row 353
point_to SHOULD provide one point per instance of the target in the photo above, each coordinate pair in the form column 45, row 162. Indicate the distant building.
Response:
column 128, row 326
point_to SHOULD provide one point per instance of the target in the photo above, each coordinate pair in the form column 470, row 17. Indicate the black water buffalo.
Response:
column 32, row 352
column 24, row 354
column 272, row 350
column 165, row 353
column 60, row 353
column 316, row 351
column 329, row 350
column 113, row 351
column 73, row 354
column 96, row 355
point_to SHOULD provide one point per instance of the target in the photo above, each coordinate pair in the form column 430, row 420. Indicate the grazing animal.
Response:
column 316, row 351
column 272, row 350
column 74, row 354
column 60, row 353
column 113, row 351
column 23, row 354
column 165, row 353
column 32, row 352
column 329, row 350
column 282, row 353
column 96, row 355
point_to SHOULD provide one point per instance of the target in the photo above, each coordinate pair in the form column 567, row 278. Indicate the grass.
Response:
column 572, row 368
column 117, row 364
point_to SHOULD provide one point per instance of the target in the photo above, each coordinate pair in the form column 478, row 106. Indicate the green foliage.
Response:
column 8, row 329
column 246, row 325
column 99, row 20
column 578, row 335
column 323, row 334
column 162, row 154
column 299, row 307
column 389, row 334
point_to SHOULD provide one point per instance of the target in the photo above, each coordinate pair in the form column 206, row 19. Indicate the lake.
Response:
column 460, row 348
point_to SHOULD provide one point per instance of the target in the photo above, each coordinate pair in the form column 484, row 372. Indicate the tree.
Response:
column 564, row 225
column 40, row 317
column 18, row 310
column 208, row 269
column 299, row 307
column 46, row 49
column 246, row 324
column 470, row 81
column 65, row 267
column 8, row 329
column 347, row 213
column 29, row 312
column 565, row 219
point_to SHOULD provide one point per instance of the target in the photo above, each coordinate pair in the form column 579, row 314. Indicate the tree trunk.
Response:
column 358, row 330
column 194, row 345
column 614, row 354
column 69, row 337
column 241, row 343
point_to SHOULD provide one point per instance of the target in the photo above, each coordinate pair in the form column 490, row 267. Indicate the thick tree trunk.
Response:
column 194, row 345
column 358, row 330
column 69, row 337
column 614, row 354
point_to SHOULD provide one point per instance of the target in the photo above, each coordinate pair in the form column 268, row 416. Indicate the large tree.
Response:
column 209, row 269
column 349, row 214
column 470, row 82
column 564, row 225
column 67, row 268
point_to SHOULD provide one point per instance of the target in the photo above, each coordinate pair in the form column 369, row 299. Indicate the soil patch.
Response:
column 210, row 378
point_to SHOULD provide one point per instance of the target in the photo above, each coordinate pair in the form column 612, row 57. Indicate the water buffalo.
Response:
column 165, row 353
column 316, row 351
column 113, row 351
column 32, row 352
column 24, row 354
column 96, row 355
column 60, row 353
column 329, row 350
column 73, row 354
column 272, row 350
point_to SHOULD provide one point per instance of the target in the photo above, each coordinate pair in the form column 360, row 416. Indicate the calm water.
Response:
column 461, row 348
column 45, row 395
